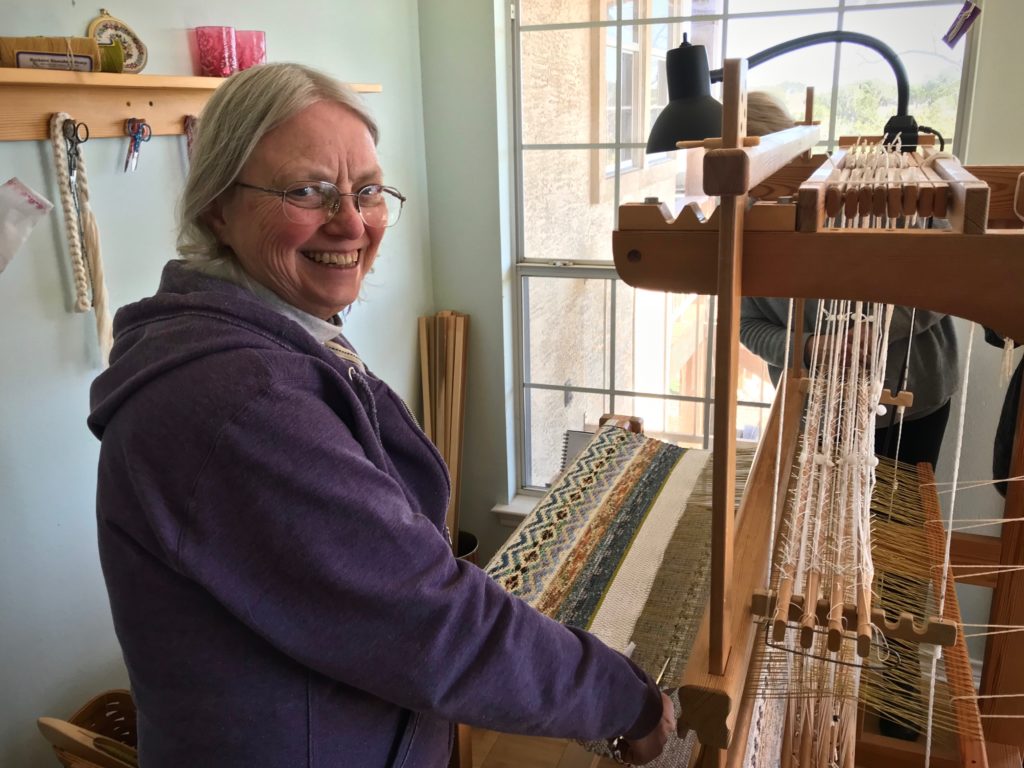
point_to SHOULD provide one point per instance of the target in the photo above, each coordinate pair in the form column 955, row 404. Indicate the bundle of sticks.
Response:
column 443, row 339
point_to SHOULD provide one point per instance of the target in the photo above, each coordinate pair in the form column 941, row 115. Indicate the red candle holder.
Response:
column 218, row 56
column 252, row 47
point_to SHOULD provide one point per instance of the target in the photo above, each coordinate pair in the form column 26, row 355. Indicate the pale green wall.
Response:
column 465, row 122
column 56, row 641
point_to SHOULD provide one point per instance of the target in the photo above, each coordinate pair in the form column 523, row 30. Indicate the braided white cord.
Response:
column 100, row 303
column 60, row 161
column 87, row 268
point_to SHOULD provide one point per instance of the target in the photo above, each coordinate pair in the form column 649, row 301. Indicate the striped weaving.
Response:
column 621, row 546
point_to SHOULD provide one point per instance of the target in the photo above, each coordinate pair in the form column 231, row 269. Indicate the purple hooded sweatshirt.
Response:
column 271, row 531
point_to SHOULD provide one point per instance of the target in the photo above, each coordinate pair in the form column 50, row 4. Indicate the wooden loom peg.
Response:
column 878, row 200
column 850, row 207
column 941, row 201
column 833, row 201
column 926, row 200
column 864, row 200
column 835, row 616
column 782, row 604
column 894, row 194
column 808, row 620
column 863, row 620
column 904, row 398
column 910, row 194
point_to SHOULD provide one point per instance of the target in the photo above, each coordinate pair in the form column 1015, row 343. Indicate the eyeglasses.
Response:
column 316, row 202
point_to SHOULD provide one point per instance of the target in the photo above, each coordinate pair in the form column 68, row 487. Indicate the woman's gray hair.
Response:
column 766, row 114
column 240, row 113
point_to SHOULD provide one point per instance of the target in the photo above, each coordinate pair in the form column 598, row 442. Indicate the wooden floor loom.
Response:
column 787, row 245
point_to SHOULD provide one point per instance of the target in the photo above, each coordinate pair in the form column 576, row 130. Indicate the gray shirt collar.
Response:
column 230, row 270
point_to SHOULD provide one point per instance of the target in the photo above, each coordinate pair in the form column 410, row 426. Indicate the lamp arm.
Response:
column 838, row 36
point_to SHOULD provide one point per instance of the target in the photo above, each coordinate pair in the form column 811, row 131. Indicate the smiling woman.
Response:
column 271, row 518
column 314, row 262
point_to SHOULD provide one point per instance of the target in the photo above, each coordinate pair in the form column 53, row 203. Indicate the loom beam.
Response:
column 972, row 276
column 935, row 630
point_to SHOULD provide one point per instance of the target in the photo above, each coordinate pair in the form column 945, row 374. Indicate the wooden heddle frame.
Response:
column 784, row 248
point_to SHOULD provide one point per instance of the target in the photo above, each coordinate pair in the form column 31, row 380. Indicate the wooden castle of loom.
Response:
column 783, row 249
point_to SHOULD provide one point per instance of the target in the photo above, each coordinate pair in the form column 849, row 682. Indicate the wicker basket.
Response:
column 111, row 714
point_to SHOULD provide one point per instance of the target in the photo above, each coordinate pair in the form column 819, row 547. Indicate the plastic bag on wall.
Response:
column 20, row 211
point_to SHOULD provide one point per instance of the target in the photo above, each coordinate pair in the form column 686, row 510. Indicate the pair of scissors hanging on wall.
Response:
column 75, row 134
column 138, row 132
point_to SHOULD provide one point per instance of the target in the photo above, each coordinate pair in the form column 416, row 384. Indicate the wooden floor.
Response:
column 501, row 750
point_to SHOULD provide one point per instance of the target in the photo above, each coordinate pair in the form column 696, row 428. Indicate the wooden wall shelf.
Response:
column 103, row 101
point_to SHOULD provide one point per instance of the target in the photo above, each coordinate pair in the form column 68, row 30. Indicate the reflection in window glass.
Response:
column 548, row 415
column 546, row 12
column 564, row 218
column 571, row 329
column 661, row 342
column 674, row 421
column 558, row 86
column 764, row 6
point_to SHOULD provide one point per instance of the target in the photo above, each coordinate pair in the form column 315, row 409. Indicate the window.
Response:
column 591, row 81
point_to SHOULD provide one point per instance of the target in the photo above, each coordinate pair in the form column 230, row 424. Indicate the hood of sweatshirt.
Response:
column 156, row 335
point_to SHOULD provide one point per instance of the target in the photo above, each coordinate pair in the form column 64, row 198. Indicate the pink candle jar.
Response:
column 252, row 47
column 218, row 55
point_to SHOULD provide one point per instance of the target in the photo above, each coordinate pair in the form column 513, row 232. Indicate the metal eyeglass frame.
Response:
column 333, row 210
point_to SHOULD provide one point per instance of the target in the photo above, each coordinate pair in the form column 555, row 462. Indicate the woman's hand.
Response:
column 641, row 751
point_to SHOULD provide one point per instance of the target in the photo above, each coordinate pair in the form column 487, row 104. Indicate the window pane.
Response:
column 787, row 76
column 661, row 342
column 568, row 331
column 753, row 384
column 750, row 423
column 867, row 87
column 673, row 421
column 548, row 415
column 568, row 205
column 562, row 12
column 753, row 6
column 659, row 9
column 567, row 86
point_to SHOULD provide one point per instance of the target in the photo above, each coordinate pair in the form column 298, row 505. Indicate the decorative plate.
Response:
column 105, row 28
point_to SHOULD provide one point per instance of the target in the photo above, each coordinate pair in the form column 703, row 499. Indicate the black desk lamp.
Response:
column 692, row 113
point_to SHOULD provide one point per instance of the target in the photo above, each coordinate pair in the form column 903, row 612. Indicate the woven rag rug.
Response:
column 621, row 546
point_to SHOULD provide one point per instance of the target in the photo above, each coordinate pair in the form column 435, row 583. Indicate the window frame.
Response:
column 601, row 186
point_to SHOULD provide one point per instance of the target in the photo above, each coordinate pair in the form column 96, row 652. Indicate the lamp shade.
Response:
column 691, row 112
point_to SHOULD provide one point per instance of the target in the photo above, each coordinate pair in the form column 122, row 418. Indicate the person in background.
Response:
column 922, row 358
column 270, row 516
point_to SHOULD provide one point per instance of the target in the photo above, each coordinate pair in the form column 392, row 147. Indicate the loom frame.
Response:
column 781, row 249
